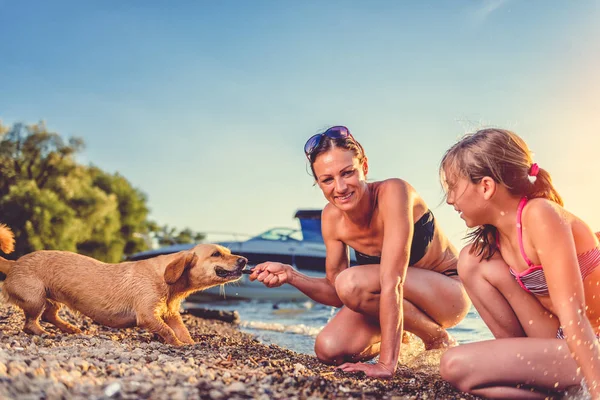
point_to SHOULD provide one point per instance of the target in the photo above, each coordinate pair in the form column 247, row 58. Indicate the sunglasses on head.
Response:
column 335, row 132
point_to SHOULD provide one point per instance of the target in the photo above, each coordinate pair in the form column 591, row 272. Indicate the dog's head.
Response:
column 204, row 266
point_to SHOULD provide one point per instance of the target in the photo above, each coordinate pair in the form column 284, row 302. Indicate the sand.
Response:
column 108, row 363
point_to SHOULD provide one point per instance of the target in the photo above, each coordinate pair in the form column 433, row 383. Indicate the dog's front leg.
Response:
column 50, row 314
column 176, row 323
column 155, row 324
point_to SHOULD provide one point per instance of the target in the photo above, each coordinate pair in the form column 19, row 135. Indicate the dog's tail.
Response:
column 7, row 245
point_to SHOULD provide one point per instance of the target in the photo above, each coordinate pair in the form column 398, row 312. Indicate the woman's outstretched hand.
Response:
column 271, row 274
column 372, row 370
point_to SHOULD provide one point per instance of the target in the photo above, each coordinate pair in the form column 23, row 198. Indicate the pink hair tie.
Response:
column 533, row 171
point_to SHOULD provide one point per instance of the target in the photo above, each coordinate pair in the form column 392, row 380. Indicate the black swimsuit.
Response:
column 422, row 237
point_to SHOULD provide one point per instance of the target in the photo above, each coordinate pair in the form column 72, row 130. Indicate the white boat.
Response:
column 302, row 248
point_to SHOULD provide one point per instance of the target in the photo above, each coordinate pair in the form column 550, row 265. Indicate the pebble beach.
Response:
column 105, row 363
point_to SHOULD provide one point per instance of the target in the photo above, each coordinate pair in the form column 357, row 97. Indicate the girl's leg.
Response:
column 506, row 308
column 526, row 361
column 516, row 368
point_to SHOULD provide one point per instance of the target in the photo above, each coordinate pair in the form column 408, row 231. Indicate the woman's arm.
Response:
column 551, row 235
column 321, row 290
column 396, row 208
column 274, row 274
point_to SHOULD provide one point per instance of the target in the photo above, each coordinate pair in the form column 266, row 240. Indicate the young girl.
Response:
column 391, row 228
column 531, row 270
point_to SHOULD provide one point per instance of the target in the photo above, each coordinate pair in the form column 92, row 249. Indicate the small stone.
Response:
column 216, row 394
column 235, row 387
column 56, row 391
column 112, row 389
column 299, row 368
column 20, row 385
column 15, row 369
column 81, row 364
column 343, row 389
column 145, row 389
column 289, row 381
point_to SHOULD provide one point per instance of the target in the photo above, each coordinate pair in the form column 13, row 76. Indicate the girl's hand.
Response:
column 271, row 274
column 372, row 370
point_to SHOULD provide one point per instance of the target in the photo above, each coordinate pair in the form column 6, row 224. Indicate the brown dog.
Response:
column 145, row 293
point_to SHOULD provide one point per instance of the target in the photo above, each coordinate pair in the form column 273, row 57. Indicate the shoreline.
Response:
column 226, row 363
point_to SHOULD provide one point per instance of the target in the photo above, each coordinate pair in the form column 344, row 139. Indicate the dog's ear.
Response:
column 176, row 267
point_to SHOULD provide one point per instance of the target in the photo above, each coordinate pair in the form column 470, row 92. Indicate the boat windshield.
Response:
column 281, row 234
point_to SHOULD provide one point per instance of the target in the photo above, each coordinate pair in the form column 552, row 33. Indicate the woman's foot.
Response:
column 443, row 341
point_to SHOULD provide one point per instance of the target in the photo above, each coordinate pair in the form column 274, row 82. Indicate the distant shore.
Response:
column 225, row 363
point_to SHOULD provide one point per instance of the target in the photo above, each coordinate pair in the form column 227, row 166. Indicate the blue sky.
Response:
column 205, row 105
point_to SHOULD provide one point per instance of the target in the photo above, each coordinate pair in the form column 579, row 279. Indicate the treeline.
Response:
column 52, row 202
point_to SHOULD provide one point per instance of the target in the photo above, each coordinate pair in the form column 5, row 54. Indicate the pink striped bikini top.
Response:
column 533, row 279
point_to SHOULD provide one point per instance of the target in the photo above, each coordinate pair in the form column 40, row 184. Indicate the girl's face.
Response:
column 341, row 177
column 467, row 198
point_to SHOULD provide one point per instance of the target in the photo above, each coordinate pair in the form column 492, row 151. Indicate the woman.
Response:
column 532, row 271
column 391, row 228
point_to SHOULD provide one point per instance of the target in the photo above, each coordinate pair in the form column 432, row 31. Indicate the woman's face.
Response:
column 341, row 177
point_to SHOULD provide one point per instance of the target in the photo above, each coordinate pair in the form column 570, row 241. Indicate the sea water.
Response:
column 295, row 325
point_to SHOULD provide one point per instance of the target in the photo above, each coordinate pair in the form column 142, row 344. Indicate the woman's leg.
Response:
column 349, row 337
column 515, row 368
column 432, row 302
column 507, row 309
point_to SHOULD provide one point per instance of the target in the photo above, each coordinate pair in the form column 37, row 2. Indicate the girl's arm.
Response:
column 396, row 208
column 551, row 235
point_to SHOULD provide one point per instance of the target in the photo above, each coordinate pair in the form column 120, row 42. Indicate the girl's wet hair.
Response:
column 327, row 143
column 503, row 156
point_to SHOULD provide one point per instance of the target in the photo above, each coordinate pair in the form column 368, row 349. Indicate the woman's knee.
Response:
column 327, row 349
column 454, row 368
column 350, row 290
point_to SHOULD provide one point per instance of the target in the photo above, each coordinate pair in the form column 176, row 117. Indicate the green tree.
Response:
column 189, row 236
column 52, row 202
column 131, row 206
column 168, row 236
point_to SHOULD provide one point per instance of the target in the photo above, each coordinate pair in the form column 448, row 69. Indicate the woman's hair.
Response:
column 503, row 156
column 327, row 143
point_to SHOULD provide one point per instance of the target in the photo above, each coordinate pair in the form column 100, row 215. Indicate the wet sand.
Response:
column 107, row 363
